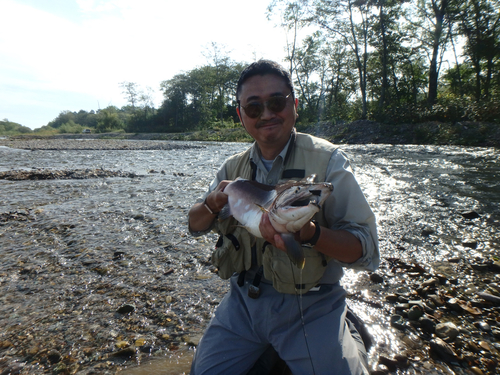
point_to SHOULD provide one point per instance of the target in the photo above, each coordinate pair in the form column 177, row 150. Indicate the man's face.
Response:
column 270, row 129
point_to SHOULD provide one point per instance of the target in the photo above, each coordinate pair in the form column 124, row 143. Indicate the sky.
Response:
column 58, row 55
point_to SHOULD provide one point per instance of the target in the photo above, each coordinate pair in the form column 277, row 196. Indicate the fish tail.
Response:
column 294, row 250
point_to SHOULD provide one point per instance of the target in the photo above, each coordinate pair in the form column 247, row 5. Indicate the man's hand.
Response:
column 217, row 199
column 274, row 238
column 200, row 218
column 269, row 233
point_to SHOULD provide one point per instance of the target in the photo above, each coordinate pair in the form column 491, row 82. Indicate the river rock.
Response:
column 126, row 308
column 470, row 243
column 376, row 278
column 483, row 326
column 54, row 356
column 447, row 331
column 415, row 312
column 470, row 215
column 496, row 333
column 397, row 321
column 436, row 300
column 427, row 231
column 125, row 353
column 427, row 325
column 442, row 350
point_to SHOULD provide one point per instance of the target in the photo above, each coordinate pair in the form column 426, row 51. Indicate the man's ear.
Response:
column 239, row 115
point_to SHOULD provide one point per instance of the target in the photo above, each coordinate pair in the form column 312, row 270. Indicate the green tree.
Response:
column 431, row 24
column 109, row 120
column 479, row 22
column 9, row 128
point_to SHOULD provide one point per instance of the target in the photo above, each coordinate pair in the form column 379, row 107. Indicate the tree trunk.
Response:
column 384, row 58
column 439, row 12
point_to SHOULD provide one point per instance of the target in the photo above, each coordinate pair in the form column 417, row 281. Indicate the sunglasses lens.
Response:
column 254, row 110
column 276, row 104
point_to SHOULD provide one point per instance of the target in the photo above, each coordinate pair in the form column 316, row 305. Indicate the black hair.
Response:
column 261, row 68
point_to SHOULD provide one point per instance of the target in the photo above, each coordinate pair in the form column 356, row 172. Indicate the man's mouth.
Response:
column 267, row 124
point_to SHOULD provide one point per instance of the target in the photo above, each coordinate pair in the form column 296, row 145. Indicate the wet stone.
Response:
column 483, row 326
column 496, row 333
column 392, row 297
column 476, row 370
column 397, row 321
column 125, row 353
column 470, row 244
column 447, row 331
column 415, row 312
column 391, row 364
column 126, row 308
column 427, row 325
column 470, row 215
column 376, row 278
column 442, row 350
column 427, row 231
column 54, row 356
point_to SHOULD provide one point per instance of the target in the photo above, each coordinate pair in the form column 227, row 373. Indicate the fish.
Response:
column 289, row 205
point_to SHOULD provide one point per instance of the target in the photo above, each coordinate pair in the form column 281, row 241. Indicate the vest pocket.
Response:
column 286, row 277
column 230, row 256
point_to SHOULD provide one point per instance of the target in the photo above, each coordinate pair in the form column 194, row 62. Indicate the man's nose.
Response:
column 267, row 113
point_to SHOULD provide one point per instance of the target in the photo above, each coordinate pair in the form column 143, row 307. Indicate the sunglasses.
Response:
column 274, row 104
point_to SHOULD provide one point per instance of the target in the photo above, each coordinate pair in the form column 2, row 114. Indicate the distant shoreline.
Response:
column 471, row 134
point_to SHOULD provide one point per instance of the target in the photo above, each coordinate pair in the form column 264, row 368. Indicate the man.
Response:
column 271, row 305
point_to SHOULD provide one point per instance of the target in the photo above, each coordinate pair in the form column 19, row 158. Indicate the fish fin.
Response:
column 263, row 209
column 294, row 250
column 225, row 212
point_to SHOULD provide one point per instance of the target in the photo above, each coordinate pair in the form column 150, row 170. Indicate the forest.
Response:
column 390, row 61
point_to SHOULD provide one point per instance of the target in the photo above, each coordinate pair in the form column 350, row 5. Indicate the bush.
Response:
column 70, row 127
column 12, row 128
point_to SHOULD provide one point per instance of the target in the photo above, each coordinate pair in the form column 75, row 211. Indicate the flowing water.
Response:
column 122, row 240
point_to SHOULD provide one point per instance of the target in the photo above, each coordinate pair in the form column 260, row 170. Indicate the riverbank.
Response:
column 99, row 274
column 467, row 133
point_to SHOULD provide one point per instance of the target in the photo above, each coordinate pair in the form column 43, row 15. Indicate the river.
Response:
column 79, row 249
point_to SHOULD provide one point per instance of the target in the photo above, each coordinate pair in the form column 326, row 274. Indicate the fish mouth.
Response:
column 301, row 203
column 314, row 198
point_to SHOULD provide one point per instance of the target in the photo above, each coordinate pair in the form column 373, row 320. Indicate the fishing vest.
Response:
column 237, row 250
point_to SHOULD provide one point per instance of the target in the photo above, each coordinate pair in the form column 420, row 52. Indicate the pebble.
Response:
column 376, row 278
column 415, row 313
column 443, row 350
column 397, row 321
column 127, row 352
column 427, row 325
column 126, row 308
column 447, row 331
column 483, row 326
column 54, row 356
